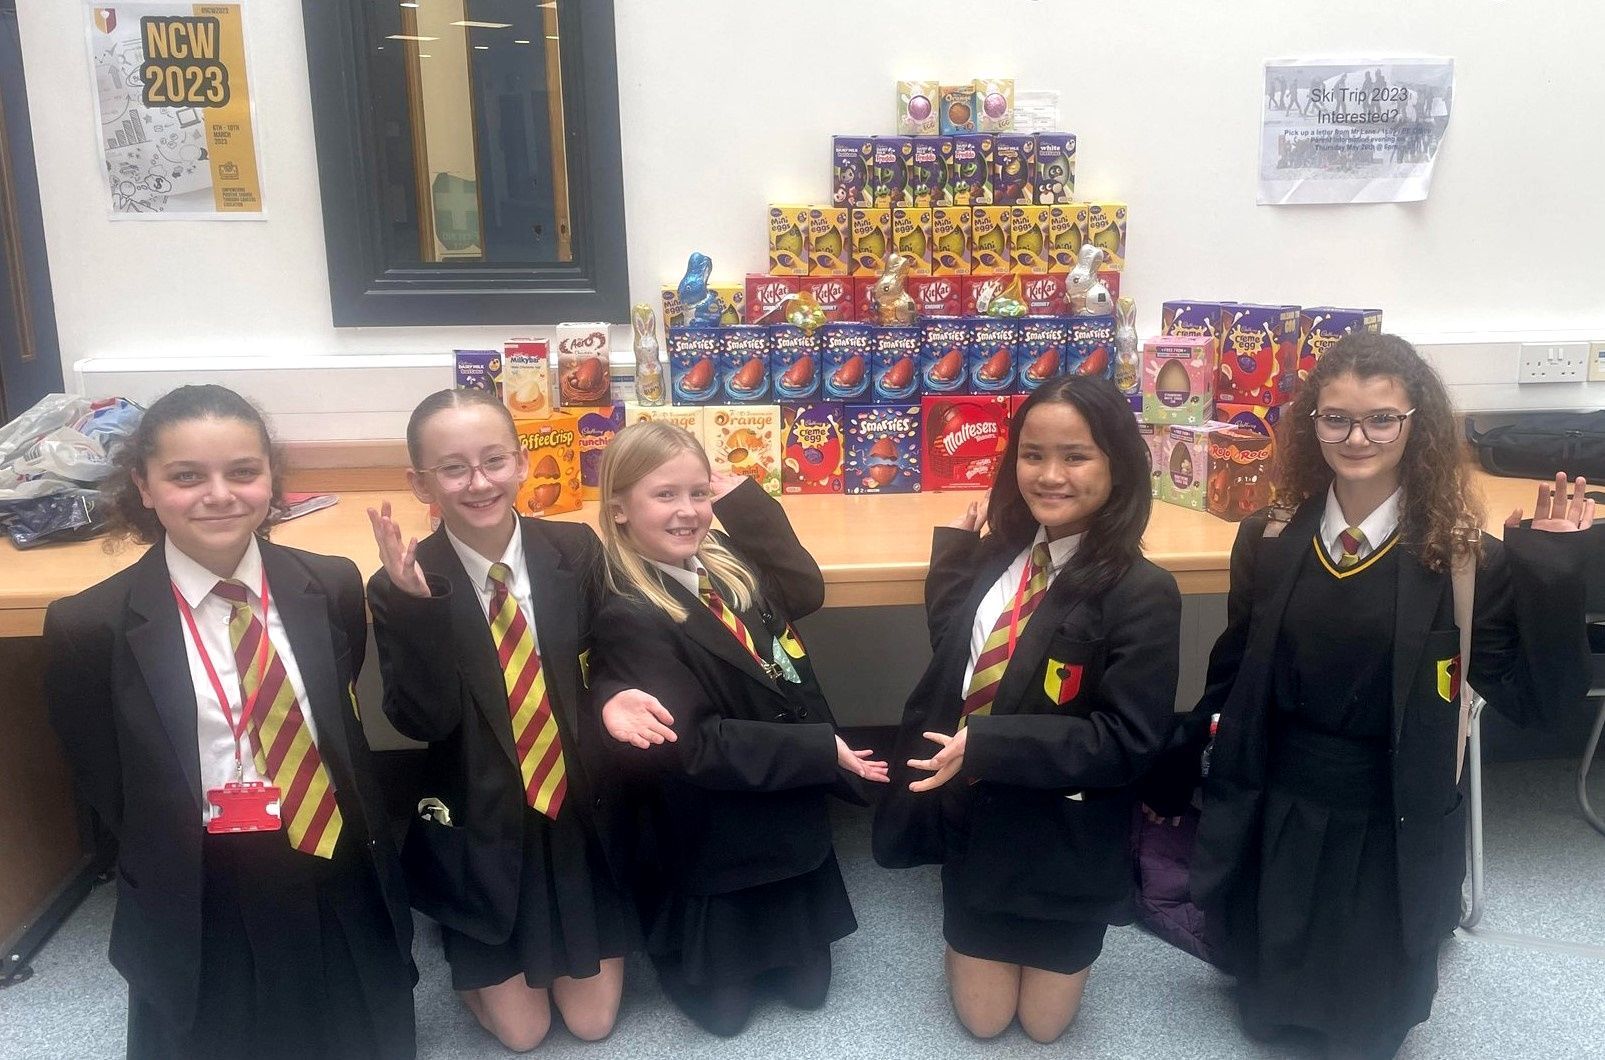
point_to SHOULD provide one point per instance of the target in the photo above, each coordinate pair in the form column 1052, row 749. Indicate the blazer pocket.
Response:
column 1071, row 671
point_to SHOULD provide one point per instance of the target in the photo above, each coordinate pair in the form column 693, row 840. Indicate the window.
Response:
column 469, row 157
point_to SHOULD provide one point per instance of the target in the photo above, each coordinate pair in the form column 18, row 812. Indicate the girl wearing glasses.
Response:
column 483, row 630
column 1050, row 692
column 1330, row 854
column 739, row 889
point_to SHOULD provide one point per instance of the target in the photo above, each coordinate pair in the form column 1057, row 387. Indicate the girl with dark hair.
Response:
column 1050, row 690
column 1330, row 854
column 204, row 697
column 483, row 630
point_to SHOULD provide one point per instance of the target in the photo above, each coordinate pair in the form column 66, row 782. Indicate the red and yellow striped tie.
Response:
column 540, row 749
column 994, row 657
column 1350, row 540
column 731, row 620
column 281, row 743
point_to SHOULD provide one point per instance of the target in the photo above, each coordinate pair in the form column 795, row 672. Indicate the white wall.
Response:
column 729, row 104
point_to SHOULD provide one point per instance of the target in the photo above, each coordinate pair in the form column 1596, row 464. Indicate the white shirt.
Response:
column 1376, row 527
column 478, row 568
column 999, row 598
column 214, row 740
column 691, row 578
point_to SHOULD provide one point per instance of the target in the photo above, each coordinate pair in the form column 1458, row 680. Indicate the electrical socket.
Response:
column 1553, row 362
column 1596, row 362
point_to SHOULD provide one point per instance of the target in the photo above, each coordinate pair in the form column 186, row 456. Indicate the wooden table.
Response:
column 873, row 550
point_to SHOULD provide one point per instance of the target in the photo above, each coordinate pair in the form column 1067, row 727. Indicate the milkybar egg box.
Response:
column 744, row 440
column 812, row 447
column 526, row 378
column 883, row 449
column 552, row 484
column 1178, row 380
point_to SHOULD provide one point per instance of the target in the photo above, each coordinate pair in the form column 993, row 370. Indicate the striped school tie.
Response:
column 1350, row 540
column 994, row 657
column 281, row 744
column 540, row 750
column 732, row 621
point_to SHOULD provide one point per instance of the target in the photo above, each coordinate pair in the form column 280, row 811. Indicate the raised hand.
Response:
column 723, row 482
column 859, row 763
column 636, row 718
column 401, row 561
column 1556, row 512
column 944, row 764
column 973, row 516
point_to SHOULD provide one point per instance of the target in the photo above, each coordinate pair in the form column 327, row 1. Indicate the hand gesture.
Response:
column 1554, row 513
column 401, row 563
column 1152, row 817
column 945, row 764
column 723, row 483
column 858, row 763
column 973, row 516
column 636, row 718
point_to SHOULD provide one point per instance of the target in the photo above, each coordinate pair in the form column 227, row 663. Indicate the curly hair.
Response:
column 126, row 514
column 1441, row 517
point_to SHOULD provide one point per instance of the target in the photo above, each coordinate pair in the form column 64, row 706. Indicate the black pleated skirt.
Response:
column 298, row 960
column 571, row 915
column 730, row 938
column 1321, row 942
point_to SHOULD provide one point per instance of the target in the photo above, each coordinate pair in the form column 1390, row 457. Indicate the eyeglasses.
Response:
column 1380, row 428
column 455, row 474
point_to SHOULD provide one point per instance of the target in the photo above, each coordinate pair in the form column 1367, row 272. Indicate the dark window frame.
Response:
column 365, row 292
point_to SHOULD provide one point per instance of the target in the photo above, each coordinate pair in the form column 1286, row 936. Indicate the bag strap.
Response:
column 1276, row 521
column 1463, row 582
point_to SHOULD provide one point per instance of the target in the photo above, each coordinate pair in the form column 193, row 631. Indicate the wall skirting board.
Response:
column 337, row 397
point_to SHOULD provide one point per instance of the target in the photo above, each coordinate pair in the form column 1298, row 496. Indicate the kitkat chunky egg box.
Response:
column 553, row 482
column 883, row 449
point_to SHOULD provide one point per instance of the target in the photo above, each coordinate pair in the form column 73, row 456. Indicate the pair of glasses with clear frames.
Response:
column 456, row 474
column 1379, row 428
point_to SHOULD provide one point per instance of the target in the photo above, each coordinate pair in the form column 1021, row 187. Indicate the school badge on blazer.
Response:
column 585, row 668
column 356, row 708
column 1062, row 682
column 1449, row 678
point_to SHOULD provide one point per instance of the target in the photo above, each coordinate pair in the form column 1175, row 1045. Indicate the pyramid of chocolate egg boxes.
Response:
column 1213, row 388
column 858, row 407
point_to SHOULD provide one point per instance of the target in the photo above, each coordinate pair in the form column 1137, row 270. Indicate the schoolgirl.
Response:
column 483, row 629
column 739, row 886
column 1050, row 689
column 1330, row 854
column 204, row 697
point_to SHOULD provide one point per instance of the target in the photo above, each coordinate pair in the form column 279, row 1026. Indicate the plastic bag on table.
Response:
column 51, row 458
column 71, row 515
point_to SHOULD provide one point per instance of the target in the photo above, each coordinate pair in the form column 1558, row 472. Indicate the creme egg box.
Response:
column 813, row 445
column 1178, row 380
column 883, row 449
column 1320, row 327
column 1258, row 353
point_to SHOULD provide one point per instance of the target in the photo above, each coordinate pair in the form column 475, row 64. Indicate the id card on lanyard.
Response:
column 241, row 806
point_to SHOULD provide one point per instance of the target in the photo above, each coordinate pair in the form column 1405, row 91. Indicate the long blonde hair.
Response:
column 632, row 455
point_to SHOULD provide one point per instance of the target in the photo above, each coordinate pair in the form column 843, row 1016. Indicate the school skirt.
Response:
column 298, row 959
column 1319, row 938
column 1064, row 946
column 571, row 915
column 734, row 937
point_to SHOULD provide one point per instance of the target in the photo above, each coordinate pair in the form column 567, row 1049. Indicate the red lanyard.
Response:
column 247, row 705
column 1019, row 598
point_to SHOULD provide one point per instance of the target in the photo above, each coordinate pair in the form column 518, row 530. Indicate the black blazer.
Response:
column 444, row 685
column 1021, row 844
column 120, row 697
column 1529, row 648
column 739, row 799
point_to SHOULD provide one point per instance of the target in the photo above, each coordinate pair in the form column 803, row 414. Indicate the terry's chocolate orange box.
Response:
column 744, row 440
column 553, row 483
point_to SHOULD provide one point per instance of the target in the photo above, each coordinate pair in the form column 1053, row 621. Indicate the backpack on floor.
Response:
column 1538, row 444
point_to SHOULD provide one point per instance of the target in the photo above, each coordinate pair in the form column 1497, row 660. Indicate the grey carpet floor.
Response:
column 1546, row 878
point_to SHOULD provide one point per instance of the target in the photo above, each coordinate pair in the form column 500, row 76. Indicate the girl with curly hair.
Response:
column 1330, row 854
